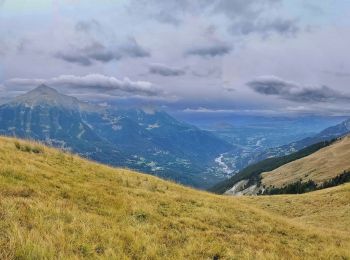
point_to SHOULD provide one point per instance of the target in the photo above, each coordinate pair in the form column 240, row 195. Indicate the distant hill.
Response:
column 149, row 141
column 317, row 163
column 55, row 205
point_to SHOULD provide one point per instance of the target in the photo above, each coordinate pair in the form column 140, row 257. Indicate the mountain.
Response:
column 150, row 141
column 313, row 166
column 55, row 205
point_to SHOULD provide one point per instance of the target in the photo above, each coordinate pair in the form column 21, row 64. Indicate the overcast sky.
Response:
column 249, row 56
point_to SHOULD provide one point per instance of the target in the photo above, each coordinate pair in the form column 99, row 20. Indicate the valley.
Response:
column 152, row 141
column 148, row 141
column 309, row 168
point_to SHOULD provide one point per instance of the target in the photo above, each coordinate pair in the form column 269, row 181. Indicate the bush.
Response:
column 28, row 148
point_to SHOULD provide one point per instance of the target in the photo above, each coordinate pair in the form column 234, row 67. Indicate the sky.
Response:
column 273, row 57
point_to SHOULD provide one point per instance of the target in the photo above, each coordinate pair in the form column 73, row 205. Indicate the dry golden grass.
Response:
column 55, row 205
column 321, row 166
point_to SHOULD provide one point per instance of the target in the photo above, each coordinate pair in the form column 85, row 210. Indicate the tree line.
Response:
column 300, row 187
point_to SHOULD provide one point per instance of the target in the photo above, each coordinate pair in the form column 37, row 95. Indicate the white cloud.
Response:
column 91, row 82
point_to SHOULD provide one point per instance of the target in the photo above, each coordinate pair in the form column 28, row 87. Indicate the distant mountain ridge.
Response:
column 154, row 142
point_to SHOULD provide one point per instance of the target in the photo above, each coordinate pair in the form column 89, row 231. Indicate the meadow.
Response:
column 55, row 205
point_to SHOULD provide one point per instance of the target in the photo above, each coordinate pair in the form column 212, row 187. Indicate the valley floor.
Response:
column 55, row 205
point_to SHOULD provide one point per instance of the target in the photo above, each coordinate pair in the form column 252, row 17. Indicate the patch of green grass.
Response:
column 28, row 148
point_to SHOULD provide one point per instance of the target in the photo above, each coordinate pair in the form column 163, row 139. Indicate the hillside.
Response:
column 318, row 167
column 55, row 205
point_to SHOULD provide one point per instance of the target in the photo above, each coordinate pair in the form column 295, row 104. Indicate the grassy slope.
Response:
column 320, row 166
column 327, row 209
column 57, row 205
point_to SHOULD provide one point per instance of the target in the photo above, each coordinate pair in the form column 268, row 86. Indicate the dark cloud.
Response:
column 96, row 51
column 271, row 86
column 211, row 72
column 245, row 16
column 175, row 9
column 88, row 26
column 91, row 83
column 236, row 9
column 278, row 25
column 210, row 51
column 321, row 94
column 340, row 74
column 74, row 58
column 165, row 17
column 165, row 71
column 288, row 90
column 132, row 49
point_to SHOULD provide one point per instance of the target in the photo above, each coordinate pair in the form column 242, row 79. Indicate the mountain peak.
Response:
column 44, row 95
column 44, row 89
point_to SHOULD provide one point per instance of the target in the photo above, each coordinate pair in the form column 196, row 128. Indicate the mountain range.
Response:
column 148, row 141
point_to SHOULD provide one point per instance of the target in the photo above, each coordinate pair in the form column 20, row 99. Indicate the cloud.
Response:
column 204, row 110
column 278, row 25
column 132, row 49
column 288, row 90
column 88, row 26
column 243, row 16
column 340, row 74
column 209, row 51
column 215, row 72
column 92, row 82
column 166, row 71
column 97, row 52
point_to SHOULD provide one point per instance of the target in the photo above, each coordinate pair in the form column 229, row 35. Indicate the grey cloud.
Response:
column 271, row 85
column 245, row 16
column 176, row 8
column 164, row 17
column 278, row 25
column 274, row 86
column 87, row 26
column 340, row 74
column 211, row 72
column 235, row 9
column 132, row 49
column 90, row 82
column 165, row 71
column 74, row 58
column 96, row 51
column 321, row 94
column 210, row 51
